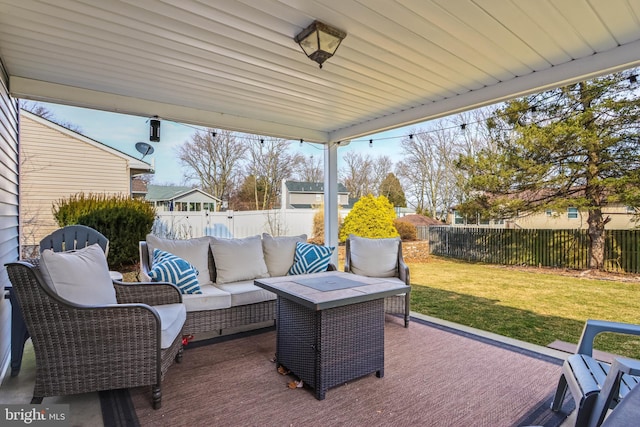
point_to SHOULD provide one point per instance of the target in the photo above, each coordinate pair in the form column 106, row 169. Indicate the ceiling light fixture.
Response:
column 320, row 41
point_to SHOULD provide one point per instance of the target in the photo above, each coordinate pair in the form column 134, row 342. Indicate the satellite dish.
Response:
column 144, row 149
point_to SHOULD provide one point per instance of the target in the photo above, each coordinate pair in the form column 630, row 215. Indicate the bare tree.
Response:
column 473, row 138
column 269, row 161
column 40, row 110
column 213, row 158
column 310, row 169
column 362, row 174
column 426, row 170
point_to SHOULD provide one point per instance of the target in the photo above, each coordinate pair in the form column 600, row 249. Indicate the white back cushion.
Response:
column 194, row 251
column 279, row 252
column 238, row 259
column 374, row 257
column 80, row 276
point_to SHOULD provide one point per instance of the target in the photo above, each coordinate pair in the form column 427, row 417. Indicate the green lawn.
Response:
column 537, row 307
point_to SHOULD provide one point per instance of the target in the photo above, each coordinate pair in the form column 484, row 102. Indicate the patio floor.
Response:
column 86, row 410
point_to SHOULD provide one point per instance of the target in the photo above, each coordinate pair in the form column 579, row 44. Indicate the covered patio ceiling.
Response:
column 234, row 64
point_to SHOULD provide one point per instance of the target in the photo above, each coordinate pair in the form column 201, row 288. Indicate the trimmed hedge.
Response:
column 122, row 220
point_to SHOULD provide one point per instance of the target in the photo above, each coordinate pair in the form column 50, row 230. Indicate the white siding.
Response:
column 55, row 166
column 9, row 228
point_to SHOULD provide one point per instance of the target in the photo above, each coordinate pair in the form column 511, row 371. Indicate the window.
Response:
column 458, row 219
column 549, row 212
column 572, row 213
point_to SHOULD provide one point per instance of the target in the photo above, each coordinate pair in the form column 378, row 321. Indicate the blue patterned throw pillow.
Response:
column 310, row 258
column 169, row 268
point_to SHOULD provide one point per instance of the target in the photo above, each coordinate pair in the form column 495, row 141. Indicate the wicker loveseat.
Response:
column 227, row 270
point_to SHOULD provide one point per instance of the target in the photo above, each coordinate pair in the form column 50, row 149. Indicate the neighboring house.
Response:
column 621, row 218
column 166, row 198
column 138, row 188
column 57, row 163
column 301, row 194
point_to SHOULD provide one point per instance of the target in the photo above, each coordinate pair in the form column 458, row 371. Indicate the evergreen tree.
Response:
column 575, row 146
column 392, row 190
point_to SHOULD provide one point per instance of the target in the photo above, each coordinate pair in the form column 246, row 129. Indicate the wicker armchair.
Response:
column 397, row 304
column 83, row 349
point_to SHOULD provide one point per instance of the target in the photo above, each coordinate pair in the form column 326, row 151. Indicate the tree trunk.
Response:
column 597, row 237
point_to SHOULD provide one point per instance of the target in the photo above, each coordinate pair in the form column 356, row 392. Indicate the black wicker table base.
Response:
column 330, row 326
column 329, row 347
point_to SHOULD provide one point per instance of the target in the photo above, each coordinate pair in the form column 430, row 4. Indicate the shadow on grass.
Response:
column 525, row 325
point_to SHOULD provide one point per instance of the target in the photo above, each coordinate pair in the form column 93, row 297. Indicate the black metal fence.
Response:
column 547, row 248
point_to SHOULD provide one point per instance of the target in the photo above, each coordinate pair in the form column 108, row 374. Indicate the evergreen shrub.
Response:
column 370, row 217
column 406, row 230
column 122, row 220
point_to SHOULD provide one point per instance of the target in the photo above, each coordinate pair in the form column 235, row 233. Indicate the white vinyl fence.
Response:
column 277, row 222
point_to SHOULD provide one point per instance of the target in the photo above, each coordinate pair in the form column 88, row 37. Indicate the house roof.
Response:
column 138, row 186
column 311, row 187
column 136, row 166
column 235, row 65
column 416, row 219
column 160, row 193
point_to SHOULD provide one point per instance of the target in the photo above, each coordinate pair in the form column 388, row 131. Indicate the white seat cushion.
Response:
column 374, row 257
column 246, row 292
column 211, row 298
column 80, row 276
column 172, row 318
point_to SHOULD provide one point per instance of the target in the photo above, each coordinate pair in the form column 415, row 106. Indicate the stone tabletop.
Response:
column 319, row 291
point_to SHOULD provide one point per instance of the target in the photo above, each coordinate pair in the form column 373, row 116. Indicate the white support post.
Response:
column 331, row 198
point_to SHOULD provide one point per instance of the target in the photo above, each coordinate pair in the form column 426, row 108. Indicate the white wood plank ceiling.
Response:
column 234, row 64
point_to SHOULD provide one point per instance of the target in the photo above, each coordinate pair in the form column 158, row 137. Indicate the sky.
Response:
column 122, row 131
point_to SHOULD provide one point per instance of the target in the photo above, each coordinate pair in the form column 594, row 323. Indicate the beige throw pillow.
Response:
column 279, row 252
column 374, row 257
column 238, row 259
column 194, row 251
column 80, row 276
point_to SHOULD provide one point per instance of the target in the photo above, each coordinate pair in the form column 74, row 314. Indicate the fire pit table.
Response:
column 330, row 326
